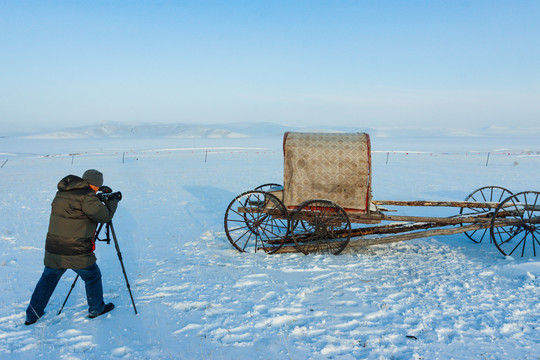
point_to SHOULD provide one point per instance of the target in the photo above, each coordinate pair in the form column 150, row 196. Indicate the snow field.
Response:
column 198, row 298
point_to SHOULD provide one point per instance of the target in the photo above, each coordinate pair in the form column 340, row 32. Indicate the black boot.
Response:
column 108, row 307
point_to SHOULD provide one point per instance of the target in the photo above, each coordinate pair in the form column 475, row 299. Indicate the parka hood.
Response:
column 72, row 182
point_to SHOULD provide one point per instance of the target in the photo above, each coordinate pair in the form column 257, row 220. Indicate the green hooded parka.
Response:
column 75, row 213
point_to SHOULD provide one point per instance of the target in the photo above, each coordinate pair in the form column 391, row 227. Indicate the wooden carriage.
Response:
column 325, row 205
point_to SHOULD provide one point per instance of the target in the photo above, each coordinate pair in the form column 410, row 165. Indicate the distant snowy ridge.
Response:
column 245, row 130
column 165, row 130
column 187, row 131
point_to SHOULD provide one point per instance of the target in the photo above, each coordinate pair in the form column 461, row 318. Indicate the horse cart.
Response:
column 325, row 206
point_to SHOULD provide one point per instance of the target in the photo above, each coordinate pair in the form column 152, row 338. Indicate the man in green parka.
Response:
column 75, row 213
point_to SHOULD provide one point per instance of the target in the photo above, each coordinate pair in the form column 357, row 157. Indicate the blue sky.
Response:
column 348, row 63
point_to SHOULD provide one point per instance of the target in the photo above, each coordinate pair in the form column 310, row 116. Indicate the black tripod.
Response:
column 109, row 229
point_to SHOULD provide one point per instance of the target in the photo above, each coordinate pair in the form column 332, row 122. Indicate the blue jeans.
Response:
column 50, row 278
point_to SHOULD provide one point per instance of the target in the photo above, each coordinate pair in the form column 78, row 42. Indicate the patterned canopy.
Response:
column 329, row 166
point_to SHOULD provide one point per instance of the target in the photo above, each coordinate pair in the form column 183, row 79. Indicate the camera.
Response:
column 109, row 196
column 106, row 194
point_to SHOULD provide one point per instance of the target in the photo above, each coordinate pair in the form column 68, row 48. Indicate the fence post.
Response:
column 487, row 161
column 4, row 163
column 387, row 155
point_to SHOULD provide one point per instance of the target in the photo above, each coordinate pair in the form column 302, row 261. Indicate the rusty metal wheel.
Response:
column 264, row 188
column 494, row 194
column 515, row 226
column 320, row 226
column 256, row 220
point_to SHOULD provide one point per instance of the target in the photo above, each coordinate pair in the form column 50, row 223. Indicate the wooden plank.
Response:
column 357, row 243
column 397, row 238
column 392, row 229
column 463, row 204
column 429, row 233
column 377, row 218
column 359, row 218
column 416, row 235
column 370, row 230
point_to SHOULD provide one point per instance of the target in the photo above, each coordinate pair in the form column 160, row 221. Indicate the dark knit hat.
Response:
column 93, row 177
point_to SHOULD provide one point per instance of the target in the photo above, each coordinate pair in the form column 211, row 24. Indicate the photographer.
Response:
column 75, row 213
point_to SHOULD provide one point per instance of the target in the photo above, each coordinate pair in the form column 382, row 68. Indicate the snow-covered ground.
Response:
column 198, row 298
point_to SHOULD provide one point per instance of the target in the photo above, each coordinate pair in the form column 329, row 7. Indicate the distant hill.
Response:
column 253, row 130
column 163, row 130
column 235, row 130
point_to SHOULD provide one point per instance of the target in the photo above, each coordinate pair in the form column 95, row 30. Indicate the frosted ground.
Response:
column 198, row 298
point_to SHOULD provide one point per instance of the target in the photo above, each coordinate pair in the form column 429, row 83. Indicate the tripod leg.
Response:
column 110, row 226
column 69, row 293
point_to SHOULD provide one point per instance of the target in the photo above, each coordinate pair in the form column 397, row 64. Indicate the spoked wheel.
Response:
column 320, row 226
column 266, row 187
column 256, row 220
column 515, row 227
column 494, row 194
